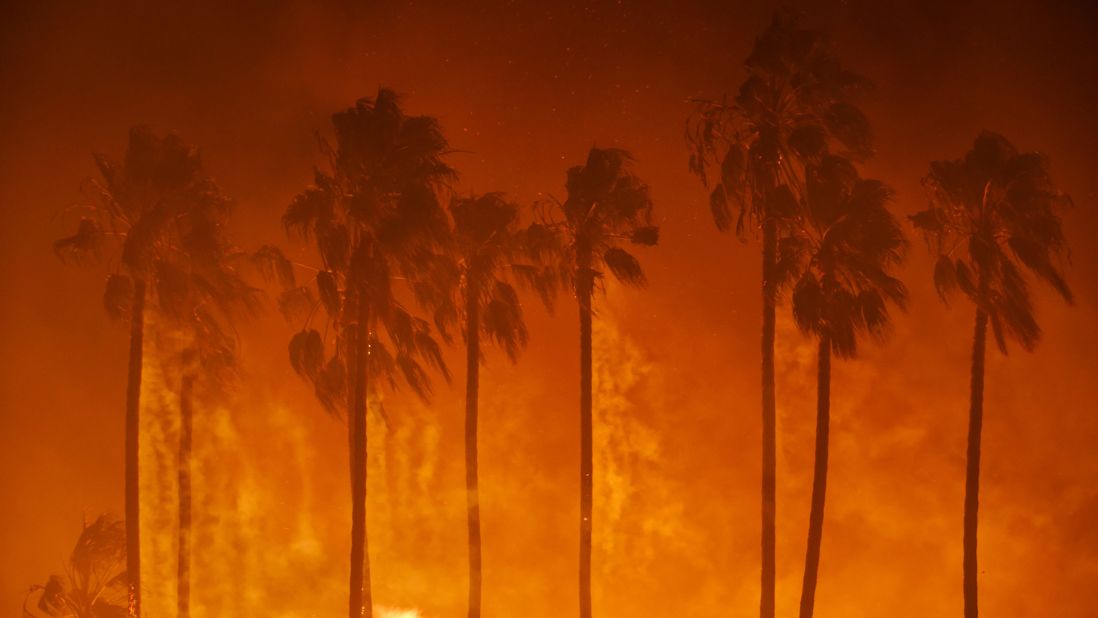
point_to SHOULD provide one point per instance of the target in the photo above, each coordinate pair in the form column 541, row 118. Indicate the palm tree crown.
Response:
column 796, row 101
column 841, row 254
column 992, row 215
column 94, row 585
column 375, row 216
column 606, row 207
column 160, row 208
column 489, row 245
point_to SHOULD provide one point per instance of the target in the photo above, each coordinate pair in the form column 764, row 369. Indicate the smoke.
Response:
column 256, row 547
column 269, row 533
column 681, row 468
column 638, row 513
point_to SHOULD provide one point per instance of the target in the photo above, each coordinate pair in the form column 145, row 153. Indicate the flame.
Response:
column 637, row 514
column 271, row 494
column 385, row 612
column 270, row 515
column 255, row 544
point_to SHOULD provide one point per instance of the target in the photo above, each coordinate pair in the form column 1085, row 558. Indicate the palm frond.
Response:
column 503, row 320
column 314, row 205
column 850, row 127
column 84, row 244
column 307, row 353
column 93, row 583
column 646, row 235
column 328, row 288
column 624, row 266
column 719, row 208
column 274, row 265
column 296, row 304
column 945, row 277
column 330, row 384
column 808, row 303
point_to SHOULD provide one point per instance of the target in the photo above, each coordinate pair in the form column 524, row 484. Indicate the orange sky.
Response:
column 523, row 89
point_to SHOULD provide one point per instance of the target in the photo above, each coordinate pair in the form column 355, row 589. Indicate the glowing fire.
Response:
column 383, row 612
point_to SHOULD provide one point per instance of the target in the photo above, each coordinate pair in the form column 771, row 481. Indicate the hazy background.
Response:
column 523, row 89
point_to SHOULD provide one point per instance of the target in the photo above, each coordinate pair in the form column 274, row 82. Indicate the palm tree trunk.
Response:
column 360, row 601
column 819, row 478
column 584, row 285
column 186, row 418
column 972, row 476
column 133, row 432
column 472, row 492
column 769, row 422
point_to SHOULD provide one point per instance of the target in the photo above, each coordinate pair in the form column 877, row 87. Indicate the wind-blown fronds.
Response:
column 842, row 256
column 994, row 215
column 795, row 106
column 491, row 253
column 164, row 217
column 607, row 206
column 94, row 584
column 376, row 216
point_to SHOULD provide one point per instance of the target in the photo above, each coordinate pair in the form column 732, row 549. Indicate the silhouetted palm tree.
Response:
column 840, row 256
column 375, row 216
column 202, row 296
column 607, row 206
column 795, row 101
column 993, row 214
column 94, row 584
column 140, row 204
column 490, row 252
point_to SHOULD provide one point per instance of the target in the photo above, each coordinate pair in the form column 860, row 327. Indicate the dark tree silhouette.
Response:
column 491, row 252
column 139, row 205
column 607, row 206
column 375, row 215
column 94, row 584
column 993, row 215
column 839, row 256
column 751, row 151
column 201, row 296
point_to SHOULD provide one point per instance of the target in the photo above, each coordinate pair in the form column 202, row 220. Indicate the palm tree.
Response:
column 138, row 204
column 94, row 584
column 202, row 294
column 491, row 251
column 795, row 101
column 606, row 207
column 840, row 255
column 993, row 214
column 375, row 215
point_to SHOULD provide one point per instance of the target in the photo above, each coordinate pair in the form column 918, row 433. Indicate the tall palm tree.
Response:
column 202, row 295
column 94, row 584
column 138, row 205
column 606, row 207
column 752, row 151
column 375, row 215
column 993, row 215
column 485, row 240
column 491, row 251
column 840, row 255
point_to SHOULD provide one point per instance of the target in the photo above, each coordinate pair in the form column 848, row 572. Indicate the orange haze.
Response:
column 523, row 89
